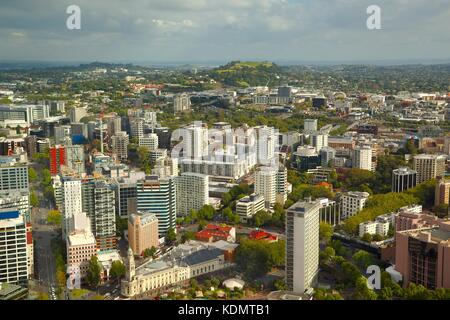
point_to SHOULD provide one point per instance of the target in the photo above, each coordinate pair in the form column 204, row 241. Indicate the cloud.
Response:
column 184, row 30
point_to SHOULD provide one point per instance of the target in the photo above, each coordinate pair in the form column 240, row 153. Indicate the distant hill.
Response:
column 247, row 73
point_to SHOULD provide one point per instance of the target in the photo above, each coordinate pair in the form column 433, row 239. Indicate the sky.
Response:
column 224, row 30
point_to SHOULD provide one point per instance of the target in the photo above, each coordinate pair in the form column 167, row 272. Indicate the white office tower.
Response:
column 165, row 167
column 114, row 126
column 266, row 145
column 149, row 141
column 181, row 102
column 352, row 202
column 120, row 143
column 302, row 246
column 76, row 114
column 319, row 140
column 362, row 158
column 327, row 155
column 192, row 192
column 14, row 254
column 196, row 144
column 72, row 198
column 136, row 127
column 310, row 125
column 266, row 184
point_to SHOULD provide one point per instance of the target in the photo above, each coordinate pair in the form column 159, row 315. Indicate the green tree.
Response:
column 325, row 232
column 186, row 236
column 150, row 252
column 54, row 217
column 171, row 236
column 363, row 259
column 32, row 175
column 93, row 277
column 117, row 270
column 34, row 201
column 367, row 237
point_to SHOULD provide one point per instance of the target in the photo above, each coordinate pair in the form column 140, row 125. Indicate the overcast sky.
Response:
column 223, row 30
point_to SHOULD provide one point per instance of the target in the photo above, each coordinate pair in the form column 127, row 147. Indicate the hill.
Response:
column 247, row 73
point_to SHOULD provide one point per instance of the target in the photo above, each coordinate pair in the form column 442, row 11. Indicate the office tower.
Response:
column 76, row 114
column 14, row 252
column 79, row 130
column 248, row 206
column 181, row 102
column 352, row 202
column 266, row 183
column 142, row 231
column 114, row 126
column 403, row 179
column 310, row 125
column 195, row 141
column 57, row 158
column 192, row 192
column 136, row 127
column 13, row 175
column 17, row 200
column 327, row 155
column 23, row 115
column 319, row 140
column 164, row 134
column 442, row 192
column 330, row 211
column 159, row 197
column 80, row 245
column 362, row 158
column 302, row 246
column 305, row 158
column 120, row 145
column 99, row 203
column 61, row 133
column 266, row 145
column 75, row 158
column 281, row 188
column 429, row 166
column 149, row 141
column 126, row 193
column 43, row 145
column 72, row 203
column 421, row 256
column 165, row 167
column 31, row 145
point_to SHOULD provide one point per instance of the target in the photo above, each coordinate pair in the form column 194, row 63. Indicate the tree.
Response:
column 367, row 237
column 32, row 175
column 117, row 270
column 93, row 273
column 54, row 217
column 363, row 259
column 171, row 236
column 325, row 232
column 186, row 236
column 150, row 252
column 34, row 201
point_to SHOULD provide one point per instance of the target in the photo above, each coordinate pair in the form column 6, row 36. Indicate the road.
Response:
column 44, row 259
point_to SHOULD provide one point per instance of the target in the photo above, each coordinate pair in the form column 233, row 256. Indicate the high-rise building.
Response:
column 142, row 231
column 330, row 211
column 282, row 185
column 120, row 145
column 13, row 175
column 57, row 158
column 422, row 256
column 76, row 114
column 165, row 167
column 149, row 141
column 164, row 134
column 362, row 157
column 136, row 127
column 302, row 246
column 192, row 192
column 158, row 196
column 266, row 183
column 319, row 140
column 429, row 166
column 442, row 192
column 305, row 158
column 72, row 203
column 352, row 202
column 248, row 206
column 327, row 155
column 14, row 253
column 181, row 102
column 75, row 158
column 403, row 179
column 126, row 193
